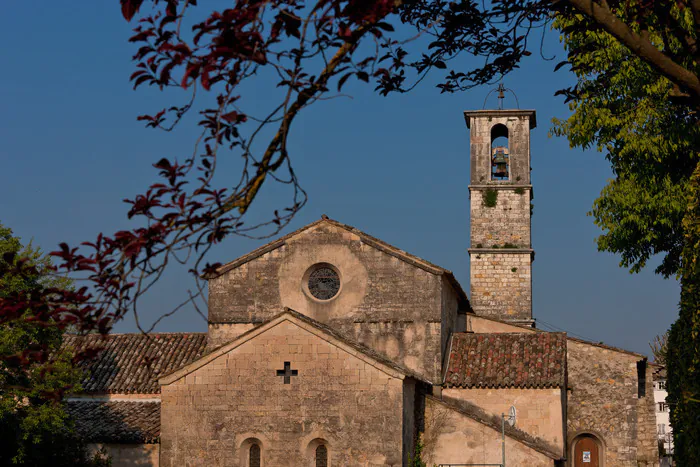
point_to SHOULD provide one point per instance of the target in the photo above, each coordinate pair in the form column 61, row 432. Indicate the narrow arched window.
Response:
column 500, row 154
column 321, row 456
column 254, row 456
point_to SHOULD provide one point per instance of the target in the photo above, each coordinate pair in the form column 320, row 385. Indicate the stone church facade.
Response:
column 329, row 347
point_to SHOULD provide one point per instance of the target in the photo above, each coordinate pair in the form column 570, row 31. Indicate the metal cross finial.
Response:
column 501, row 95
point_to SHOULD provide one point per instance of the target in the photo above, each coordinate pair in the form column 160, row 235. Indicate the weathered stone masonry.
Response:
column 211, row 414
column 501, row 283
column 507, row 223
column 605, row 400
column 387, row 303
column 501, row 254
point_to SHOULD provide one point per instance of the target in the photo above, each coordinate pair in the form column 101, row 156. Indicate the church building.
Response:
column 328, row 347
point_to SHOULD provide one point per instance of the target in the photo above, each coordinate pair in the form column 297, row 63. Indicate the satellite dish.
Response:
column 512, row 414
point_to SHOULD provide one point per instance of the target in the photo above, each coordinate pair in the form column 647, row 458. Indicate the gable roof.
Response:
column 116, row 421
column 314, row 327
column 132, row 363
column 366, row 238
column 507, row 360
column 493, row 421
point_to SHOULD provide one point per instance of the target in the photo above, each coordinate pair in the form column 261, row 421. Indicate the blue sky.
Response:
column 396, row 167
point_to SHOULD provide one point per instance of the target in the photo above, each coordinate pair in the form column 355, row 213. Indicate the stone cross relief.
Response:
column 287, row 372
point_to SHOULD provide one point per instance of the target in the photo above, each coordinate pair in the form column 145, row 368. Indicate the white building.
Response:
column 663, row 426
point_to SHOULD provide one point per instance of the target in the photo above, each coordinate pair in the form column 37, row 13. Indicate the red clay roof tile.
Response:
column 500, row 360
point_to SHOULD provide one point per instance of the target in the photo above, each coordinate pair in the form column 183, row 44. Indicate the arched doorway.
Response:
column 587, row 452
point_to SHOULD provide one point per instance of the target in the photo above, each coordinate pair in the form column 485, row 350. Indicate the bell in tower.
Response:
column 499, row 163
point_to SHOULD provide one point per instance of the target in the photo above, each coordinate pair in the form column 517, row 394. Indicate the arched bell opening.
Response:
column 500, row 154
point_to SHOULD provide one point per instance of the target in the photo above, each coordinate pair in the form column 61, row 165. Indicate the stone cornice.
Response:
column 500, row 186
column 531, row 114
column 521, row 251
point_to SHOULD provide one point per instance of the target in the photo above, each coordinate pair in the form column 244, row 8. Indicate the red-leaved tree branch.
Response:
column 312, row 50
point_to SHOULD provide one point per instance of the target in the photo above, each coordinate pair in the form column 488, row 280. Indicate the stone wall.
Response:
column 451, row 437
column 508, row 222
column 603, row 401
column 501, row 284
column 450, row 317
column 647, row 437
column 384, row 302
column 540, row 412
column 482, row 325
column 212, row 414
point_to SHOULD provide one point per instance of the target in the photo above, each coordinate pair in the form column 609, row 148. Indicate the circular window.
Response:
column 324, row 282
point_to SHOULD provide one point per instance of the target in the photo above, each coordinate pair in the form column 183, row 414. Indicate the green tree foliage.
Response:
column 683, row 348
column 624, row 108
column 34, row 427
column 634, row 115
column 416, row 459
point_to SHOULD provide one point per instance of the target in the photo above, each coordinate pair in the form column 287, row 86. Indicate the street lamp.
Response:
column 510, row 418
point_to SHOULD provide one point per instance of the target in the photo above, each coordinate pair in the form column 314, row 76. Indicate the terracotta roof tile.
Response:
column 132, row 363
column 499, row 360
column 116, row 422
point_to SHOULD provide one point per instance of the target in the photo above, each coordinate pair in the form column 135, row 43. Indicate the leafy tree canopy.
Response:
column 624, row 108
column 34, row 427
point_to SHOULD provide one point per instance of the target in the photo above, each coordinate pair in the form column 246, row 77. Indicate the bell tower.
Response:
column 501, row 253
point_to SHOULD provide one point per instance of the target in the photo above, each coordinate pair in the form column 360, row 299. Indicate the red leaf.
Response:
column 234, row 117
column 130, row 8
column 192, row 71
column 205, row 79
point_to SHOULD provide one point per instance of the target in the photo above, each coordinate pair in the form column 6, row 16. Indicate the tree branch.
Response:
column 642, row 48
column 243, row 203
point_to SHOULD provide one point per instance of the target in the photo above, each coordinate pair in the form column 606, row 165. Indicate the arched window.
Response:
column 254, row 455
column 500, row 155
column 322, row 456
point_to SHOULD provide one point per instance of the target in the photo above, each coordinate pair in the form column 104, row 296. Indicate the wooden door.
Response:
column 586, row 453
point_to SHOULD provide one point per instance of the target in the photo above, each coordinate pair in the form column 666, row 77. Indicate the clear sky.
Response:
column 397, row 168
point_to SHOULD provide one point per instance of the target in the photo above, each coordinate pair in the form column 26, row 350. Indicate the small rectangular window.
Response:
column 641, row 378
column 662, row 406
column 662, row 429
